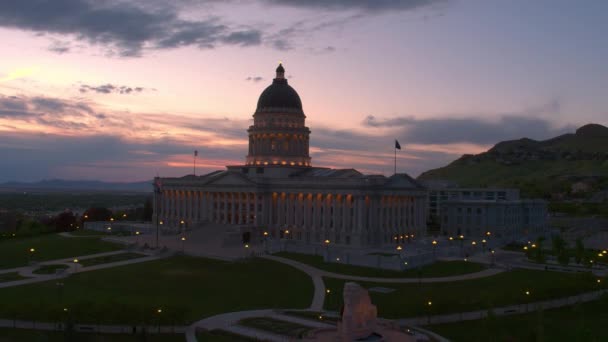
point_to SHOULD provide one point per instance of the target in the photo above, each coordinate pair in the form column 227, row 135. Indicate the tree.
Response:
column 66, row 221
column 148, row 210
column 97, row 214
column 560, row 250
column 579, row 252
column 539, row 254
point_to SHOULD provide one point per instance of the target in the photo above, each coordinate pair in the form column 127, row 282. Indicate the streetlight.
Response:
column 32, row 250
column 183, row 238
column 434, row 247
column 399, row 248
column 75, row 265
column 492, row 251
column 483, row 244
column 137, row 237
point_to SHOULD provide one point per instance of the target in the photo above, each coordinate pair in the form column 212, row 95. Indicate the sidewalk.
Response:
column 505, row 310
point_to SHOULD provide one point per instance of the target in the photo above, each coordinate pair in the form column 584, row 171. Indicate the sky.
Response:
column 121, row 90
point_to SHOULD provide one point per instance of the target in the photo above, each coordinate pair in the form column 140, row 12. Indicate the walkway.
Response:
column 229, row 322
column 91, row 328
column 28, row 271
column 315, row 271
column 505, row 310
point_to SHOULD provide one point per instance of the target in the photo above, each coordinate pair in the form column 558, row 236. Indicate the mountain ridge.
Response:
column 540, row 168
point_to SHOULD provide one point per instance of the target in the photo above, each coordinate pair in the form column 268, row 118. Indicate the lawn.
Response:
column 109, row 258
column 221, row 336
column 581, row 322
column 409, row 300
column 437, row 269
column 15, row 252
column 12, row 276
column 184, row 288
column 50, row 269
column 20, row 335
column 276, row 326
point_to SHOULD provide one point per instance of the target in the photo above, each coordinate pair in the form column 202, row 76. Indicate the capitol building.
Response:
column 277, row 193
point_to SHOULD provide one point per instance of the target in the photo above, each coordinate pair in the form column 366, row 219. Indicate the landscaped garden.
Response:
column 276, row 326
column 508, row 288
column 20, row 251
column 437, row 269
column 222, row 336
column 581, row 322
column 19, row 335
column 183, row 288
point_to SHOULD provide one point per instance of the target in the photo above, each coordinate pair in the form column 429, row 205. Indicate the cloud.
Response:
column 374, row 6
column 254, row 79
column 125, row 29
column 111, row 89
column 476, row 129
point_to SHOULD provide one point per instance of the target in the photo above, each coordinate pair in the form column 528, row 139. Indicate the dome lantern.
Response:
column 280, row 71
column 279, row 136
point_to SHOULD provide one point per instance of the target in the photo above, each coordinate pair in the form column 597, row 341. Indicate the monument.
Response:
column 359, row 322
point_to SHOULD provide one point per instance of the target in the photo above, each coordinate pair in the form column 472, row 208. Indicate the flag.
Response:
column 157, row 186
column 397, row 146
column 195, row 153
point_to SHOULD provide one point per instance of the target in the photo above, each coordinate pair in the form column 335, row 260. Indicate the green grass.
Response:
column 185, row 288
column 20, row 335
column 508, row 288
column 437, row 269
column 50, row 269
column 12, row 276
column 383, row 254
column 82, row 232
column 15, row 252
column 221, row 336
column 276, row 326
column 109, row 258
column 581, row 322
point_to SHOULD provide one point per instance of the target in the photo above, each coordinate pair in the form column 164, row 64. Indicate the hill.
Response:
column 76, row 185
column 574, row 164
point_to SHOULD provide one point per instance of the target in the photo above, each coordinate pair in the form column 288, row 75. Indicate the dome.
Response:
column 279, row 96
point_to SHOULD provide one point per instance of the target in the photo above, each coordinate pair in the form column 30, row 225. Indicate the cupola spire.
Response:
column 280, row 71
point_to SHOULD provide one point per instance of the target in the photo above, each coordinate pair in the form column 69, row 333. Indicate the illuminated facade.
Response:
column 277, row 193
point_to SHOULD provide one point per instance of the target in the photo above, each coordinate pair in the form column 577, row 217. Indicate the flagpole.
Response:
column 395, row 159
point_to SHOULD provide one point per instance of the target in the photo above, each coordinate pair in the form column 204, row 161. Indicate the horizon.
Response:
column 122, row 102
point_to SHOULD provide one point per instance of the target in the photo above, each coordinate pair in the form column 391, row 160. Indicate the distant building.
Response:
column 473, row 212
column 277, row 193
column 441, row 194
column 507, row 219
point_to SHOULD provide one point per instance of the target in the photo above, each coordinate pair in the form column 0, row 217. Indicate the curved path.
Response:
column 31, row 277
column 229, row 321
column 313, row 271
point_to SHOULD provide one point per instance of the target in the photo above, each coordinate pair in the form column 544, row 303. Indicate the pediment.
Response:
column 230, row 178
column 402, row 181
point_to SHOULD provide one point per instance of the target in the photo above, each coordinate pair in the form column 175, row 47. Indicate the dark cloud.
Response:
column 46, row 111
column 361, row 5
column 59, row 47
column 125, row 28
column 254, row 78
column 468, row 130
column 110, row 89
